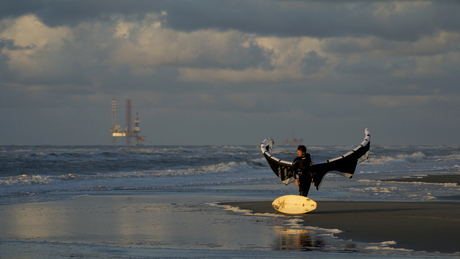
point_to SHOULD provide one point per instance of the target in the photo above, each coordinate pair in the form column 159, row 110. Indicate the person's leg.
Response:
column 305, row 181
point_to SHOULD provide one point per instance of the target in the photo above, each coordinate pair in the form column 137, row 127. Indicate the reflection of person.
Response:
column 301, row 166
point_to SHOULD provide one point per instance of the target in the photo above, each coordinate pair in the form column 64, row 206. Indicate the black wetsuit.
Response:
column 301, row 167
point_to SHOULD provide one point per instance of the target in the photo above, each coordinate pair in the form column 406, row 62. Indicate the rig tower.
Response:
column 129, row 132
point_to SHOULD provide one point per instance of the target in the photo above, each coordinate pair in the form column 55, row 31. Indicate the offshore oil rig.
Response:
column 129, row 132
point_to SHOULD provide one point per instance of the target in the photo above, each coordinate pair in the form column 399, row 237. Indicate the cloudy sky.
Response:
column 208, row 72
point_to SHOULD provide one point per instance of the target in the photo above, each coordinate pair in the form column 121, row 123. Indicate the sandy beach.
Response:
column 422, row 226
column 137, row 225
column 133, row 224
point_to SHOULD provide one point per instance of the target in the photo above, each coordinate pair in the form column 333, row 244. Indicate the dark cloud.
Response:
column 11, row 9
column 312, row 63
column 314, row 18
column 320, row 19
column 71, row 12
column 9, row 44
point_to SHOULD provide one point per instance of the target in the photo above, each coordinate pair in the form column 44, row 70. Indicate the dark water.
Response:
column 31, row 173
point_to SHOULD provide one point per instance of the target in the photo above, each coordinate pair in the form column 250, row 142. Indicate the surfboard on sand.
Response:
column 294, row 204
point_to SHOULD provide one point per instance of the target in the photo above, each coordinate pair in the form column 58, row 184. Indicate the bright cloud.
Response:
column 35, row 46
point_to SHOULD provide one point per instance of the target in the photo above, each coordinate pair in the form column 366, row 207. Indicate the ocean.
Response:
column 34, row 174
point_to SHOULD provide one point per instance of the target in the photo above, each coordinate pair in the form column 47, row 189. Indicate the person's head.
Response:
column 301, row 150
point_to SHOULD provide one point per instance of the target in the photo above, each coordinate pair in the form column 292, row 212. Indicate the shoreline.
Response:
column 431, row 226
column 169, row 222
column 440, row 179
column 419, row 226
column 134, row 222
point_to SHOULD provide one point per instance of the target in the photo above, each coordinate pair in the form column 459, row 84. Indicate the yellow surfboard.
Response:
column 294, row 204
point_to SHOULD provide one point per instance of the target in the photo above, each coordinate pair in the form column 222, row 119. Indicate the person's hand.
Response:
column 297, row 182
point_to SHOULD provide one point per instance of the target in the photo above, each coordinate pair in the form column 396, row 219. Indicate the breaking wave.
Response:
column 399, row 158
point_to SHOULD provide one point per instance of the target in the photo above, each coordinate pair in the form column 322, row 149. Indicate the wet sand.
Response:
column 135, row 225
column 104, row 225
column 420, row 226
column 120, row 222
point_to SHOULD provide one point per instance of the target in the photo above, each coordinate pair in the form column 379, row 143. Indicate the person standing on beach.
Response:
column 302, row 170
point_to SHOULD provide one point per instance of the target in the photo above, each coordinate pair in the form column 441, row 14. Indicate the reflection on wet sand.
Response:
column 297, row 239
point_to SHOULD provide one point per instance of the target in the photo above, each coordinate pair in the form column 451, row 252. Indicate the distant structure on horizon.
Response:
column 292, row 142
column 129, row 132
